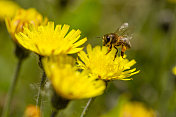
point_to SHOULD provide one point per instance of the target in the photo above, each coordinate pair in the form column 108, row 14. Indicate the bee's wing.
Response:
column 127, row 41
column 122, row 28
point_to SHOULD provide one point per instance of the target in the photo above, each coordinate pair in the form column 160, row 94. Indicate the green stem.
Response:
column 86, row 107
column 11, row 90
column 90, row 101
column 42, row 85
column 54, row 113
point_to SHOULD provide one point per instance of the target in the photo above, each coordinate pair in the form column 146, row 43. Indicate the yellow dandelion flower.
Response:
column 24, row 18
column 103, row 66
column 70, row 83
column 136, row 109
column 125, row 108
column 47, row 40
column 32, row 111
column 174, row 70
column 7, row 9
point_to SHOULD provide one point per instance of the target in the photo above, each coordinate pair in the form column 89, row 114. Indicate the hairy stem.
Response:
column 87, row 106
column 12, row 89
column 42, row 85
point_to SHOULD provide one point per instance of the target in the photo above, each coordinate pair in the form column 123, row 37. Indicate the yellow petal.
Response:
column 82, row 41
column 74, row 50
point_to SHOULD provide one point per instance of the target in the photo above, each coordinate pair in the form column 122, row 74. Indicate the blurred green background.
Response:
column 153, row 25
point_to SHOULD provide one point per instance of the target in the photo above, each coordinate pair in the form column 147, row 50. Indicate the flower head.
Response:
column 135, row 109
column 174, row 70
column 103, row 66
column 47, row 40
column 68, row 82
column 7, row 9
column 24, row 18
column 125, row 108
column 32, row 111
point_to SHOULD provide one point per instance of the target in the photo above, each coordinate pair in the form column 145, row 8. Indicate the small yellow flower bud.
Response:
column 32, row 111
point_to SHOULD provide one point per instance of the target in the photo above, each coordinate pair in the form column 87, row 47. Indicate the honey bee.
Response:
column 118, row 40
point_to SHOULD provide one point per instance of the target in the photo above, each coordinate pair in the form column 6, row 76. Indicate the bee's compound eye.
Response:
column 107, row 39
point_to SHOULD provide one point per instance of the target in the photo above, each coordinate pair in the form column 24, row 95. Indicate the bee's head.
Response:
column 107, row 39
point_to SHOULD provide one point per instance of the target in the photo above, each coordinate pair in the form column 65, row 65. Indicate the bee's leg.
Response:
column 123, row 50
column 116, row 52
column 122, row 54
column 109, row 49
